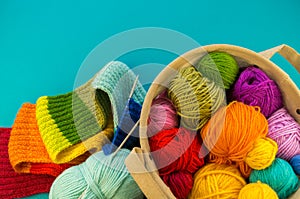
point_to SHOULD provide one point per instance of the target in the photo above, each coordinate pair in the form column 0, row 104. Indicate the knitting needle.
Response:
column 133, row 87
column 135, row 125
column 126, row 138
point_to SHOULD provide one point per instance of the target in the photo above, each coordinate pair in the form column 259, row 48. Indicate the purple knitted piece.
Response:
column 255, row 88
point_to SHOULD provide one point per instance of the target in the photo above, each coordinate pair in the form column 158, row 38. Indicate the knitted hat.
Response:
column 67, row 121
column 27, row 152
column 14, row 185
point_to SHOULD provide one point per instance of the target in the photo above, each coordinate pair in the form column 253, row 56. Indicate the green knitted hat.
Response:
column 66, row 122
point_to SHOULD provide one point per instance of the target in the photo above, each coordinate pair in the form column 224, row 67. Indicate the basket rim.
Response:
column 288, row 88
column 140, row 163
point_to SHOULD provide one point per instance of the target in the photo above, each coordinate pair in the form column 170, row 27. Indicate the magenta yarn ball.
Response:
column 255, row 88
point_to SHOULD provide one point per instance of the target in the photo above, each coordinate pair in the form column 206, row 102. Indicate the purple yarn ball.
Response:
column 255, row 88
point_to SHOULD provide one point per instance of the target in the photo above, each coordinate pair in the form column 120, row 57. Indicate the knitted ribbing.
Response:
column 66, row 120
column 128, row 120
column 116, row 79
column 14, row 185
column 62, row 150
column 27, row 152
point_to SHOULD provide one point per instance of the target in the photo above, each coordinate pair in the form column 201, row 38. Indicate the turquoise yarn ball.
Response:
column 279, row 176
column 100, row 177
column 219, row 67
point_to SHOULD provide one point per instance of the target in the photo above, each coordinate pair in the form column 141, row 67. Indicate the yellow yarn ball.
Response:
column 258, row 191
column 263, row 154
column 216, row 181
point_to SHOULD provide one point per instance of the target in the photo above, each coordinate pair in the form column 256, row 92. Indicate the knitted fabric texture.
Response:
column 129, row 118
column 14, row 185
column 65, row 121
column 27, row 152
column 116, row 79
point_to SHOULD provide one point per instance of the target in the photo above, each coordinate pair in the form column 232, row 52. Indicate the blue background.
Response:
column 43, row 43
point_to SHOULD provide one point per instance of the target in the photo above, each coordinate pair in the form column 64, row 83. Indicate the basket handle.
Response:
column 290, row 54
column 143, row 170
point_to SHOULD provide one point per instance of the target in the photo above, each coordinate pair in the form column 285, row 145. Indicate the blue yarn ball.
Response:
column 279, row 176
column 295, row 163
column 100, row 176
column 129, row 117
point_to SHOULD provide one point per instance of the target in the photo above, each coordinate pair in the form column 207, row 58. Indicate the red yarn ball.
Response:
column 180, row 183
column 177, row 149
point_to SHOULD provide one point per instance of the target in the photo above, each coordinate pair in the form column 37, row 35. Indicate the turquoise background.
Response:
column 43, row 43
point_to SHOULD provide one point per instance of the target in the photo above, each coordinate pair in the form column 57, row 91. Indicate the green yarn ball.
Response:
column 219, row 67
column 100, row 177
column 279, row 176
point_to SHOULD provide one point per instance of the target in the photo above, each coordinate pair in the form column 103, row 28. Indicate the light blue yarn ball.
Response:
column 279, row 176
column 295, row 163
column 100, row 177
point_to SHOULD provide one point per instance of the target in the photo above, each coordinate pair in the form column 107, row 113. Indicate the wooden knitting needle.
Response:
column 133, row 87
column 135, row 125
column 126, row 138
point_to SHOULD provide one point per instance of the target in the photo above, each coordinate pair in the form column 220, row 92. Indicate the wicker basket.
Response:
column 139, row 162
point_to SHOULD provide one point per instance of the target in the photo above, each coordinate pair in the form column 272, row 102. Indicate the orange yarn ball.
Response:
column 231, row 134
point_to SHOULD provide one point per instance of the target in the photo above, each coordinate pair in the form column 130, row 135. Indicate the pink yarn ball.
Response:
column 284, row 130
column 162, row 115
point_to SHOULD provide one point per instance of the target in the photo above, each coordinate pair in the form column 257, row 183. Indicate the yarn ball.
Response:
column 279, row 176
column 195, row 97
column 258, row 191
column 129, row 117
column 162, row 115
column 219, row 67
column 255, row 88
column 231, row 134
column 263, row 153
column 100, row 176
column 180, row 183
column 286, row 132
column 177, row 149
column 216, row 181
column 295, row 163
